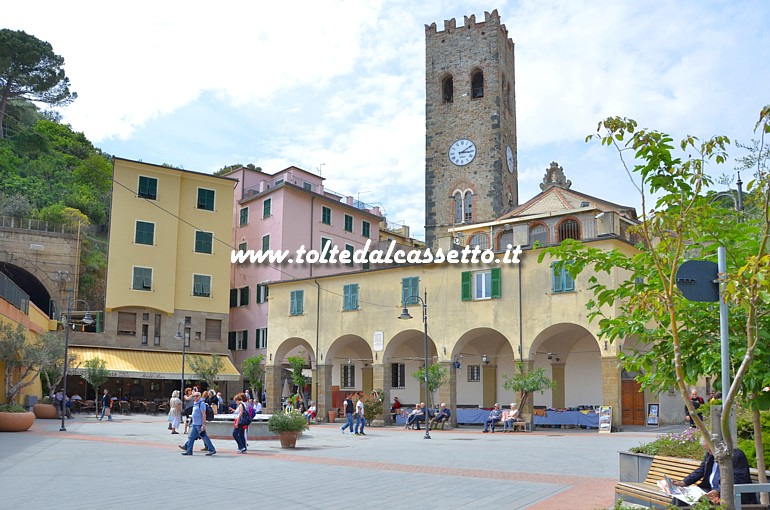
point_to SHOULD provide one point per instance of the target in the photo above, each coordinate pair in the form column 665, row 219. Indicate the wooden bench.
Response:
column 525, row 424
column 648, row 492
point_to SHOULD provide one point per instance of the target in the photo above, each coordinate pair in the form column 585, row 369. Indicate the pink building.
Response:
column 286, row 211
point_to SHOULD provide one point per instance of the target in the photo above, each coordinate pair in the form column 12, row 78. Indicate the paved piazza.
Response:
column 133, row 462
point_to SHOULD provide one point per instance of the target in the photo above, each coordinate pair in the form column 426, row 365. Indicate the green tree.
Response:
column 526, row 383
column 25, row 355
column 678, row 337
column 254, row 371
column 207, row 368
column 95, row 373
column 30, row 69
column 437, row 376
column 297, row 364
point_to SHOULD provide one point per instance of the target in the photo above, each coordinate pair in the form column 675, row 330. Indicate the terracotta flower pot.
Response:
column 288, row 439
column 16, row 422
column 44, row 411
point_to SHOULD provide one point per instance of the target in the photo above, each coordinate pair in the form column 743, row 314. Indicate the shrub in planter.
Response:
column 14, row 418
column 287, row 422
column 676, row 444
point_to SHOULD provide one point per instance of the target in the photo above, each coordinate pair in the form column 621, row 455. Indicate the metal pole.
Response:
column 66, row 362
column 184, row 351
column 425, row 339
column 724, row 329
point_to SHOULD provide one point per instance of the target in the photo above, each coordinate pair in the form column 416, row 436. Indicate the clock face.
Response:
column 462, row 152
column 509, row 158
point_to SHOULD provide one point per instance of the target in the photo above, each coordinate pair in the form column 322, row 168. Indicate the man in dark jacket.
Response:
column 710, row 479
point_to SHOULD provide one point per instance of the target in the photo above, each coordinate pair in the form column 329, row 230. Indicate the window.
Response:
column 204, row 242
column 156, row 336
column 569, row 229
column 242, row 247
column 447, row 90
column 144, row 233
column 206, row 199
column 126, row 323
column 213, row 330
column 468, row 207
column 480, row 240
column 562, row 280
column 297, row 305
column 237, row 340
column 244, row 296
column 326, row 215
column 348, row 376
column 366, row 228
column 244, row 216
column 481, row 285
column 233, row 298
column 201, row 285
column 410, row 288
column 477, row 85
column 458, row 207
column 307, row 186
column 261, row 293
column 145, row 316
column 262, row 338
column 265, row 242
column 350, row 297
column 397, row 376
column 350, row 249
column 148, row 188
column 267, row 207
column 348, row 223
column 474, row 373
column 504, row 241
column 539, row 233
column 145, row 333
column 326, row 244
column 142, row 279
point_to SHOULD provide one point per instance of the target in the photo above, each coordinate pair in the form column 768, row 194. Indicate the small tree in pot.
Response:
column 288, row 426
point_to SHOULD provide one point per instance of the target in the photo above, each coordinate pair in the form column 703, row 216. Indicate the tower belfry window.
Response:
column 447, row 90
column 477, row 85
column 468, row 207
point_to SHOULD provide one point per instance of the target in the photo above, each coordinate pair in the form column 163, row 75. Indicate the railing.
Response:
column 37, row 225
column 13, row 294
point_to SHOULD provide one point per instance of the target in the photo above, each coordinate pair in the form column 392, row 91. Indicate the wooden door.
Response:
column 633, row 403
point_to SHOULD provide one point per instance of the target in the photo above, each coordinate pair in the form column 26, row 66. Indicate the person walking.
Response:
column 348, row 406
column 239, row 431
column 106, row 406
column 360, row 418
column 187, row 404
column 198, row 428
column 174, row 412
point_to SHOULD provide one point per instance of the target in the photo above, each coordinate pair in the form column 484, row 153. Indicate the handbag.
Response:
column 108, row 411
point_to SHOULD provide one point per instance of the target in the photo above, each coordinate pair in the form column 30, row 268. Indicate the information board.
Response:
column 653, row 411
column 605, row 419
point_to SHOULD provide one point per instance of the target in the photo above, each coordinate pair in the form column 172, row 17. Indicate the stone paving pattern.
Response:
column 134, row 462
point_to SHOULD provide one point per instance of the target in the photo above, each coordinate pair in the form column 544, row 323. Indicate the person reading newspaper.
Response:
column 710, row 480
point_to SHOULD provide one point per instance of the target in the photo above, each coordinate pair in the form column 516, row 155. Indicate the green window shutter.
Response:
column 233, row 298
column 355, row 296
column 231, row 340
column 244, row 296
column 300, row 302
column 466, row 285
column 569, row 282
column 556, row 279
column 496, row 283
column 293, row 303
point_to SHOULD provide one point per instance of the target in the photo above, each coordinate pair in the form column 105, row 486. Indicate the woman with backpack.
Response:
column 242, row 420
column 188, row 407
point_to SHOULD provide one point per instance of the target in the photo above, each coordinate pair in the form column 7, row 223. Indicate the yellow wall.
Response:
column 37, row 323
column 172, row 258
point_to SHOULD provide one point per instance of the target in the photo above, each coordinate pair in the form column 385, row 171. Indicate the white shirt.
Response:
column 360, row 407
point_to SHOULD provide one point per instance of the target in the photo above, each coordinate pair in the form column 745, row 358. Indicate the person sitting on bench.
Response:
column 511, row 417
column 416, row 416
column 494, row 417
column 441, row 417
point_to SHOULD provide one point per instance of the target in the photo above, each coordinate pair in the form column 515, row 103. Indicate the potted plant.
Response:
column 45, row 409
column 288, row 426
column 14, row 418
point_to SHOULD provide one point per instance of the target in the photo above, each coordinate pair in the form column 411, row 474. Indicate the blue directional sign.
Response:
column 697, row 279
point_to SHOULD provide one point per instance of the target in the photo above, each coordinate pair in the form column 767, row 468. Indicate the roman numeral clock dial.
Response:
column 462, row 152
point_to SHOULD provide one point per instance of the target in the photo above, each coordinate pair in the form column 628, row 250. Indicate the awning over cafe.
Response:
column 139, row 364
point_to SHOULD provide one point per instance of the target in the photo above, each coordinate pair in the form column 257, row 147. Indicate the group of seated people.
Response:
column 437, row 418
column 508, row 418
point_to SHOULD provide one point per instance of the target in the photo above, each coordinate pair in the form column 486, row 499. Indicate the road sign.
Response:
column 697, row 279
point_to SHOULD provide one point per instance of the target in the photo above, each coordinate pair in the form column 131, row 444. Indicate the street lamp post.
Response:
column 405, row 316
column 179, row 336
column 87, row 320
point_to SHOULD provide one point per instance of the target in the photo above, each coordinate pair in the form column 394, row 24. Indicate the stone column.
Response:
column 447, row 393
column 273, row 388
column 611, row 389
column 324, row 397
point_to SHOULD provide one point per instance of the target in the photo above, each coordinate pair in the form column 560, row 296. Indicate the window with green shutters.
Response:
column 326, row 244
column 348, row 223
column 267, row 207
column 233, row 298
column 265, row 242
column 145, row 233
column 244, row 296
column 297, row 305
column 201, row 285
column 261, row 293
column 410, row 287
column 351, row 250
column 142, row 278
column 205, row 199
column 397, row 375
column 244, row 216
column 480, row 285
column 350, row 297
column 326, row 215
column 562, row 281
column 366, row 228
column 261, row 338
column 204, row 242
column 148, row 188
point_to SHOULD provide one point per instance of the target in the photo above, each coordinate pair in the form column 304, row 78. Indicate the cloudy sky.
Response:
column 339, row 86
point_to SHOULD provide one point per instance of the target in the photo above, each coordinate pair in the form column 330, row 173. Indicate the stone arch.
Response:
column 407, row 349
column 355, row 352
column 447, row 88
column 492, row 352
column 571, row 356
column 568, row 228
column 42, row 292
column 477, row 83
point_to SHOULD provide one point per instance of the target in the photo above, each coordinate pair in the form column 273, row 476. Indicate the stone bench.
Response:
column 222, row 427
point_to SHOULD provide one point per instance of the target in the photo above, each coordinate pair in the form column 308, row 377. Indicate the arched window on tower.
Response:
column 447, row 90
column 480, row 240
column 458, row 196
column 569, row 229
column 468, row 207
column 539, row 232
column 477, row 84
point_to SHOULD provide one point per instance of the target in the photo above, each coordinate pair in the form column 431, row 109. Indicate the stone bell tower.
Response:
column 471, row 172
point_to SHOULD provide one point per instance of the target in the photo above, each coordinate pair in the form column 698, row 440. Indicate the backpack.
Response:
column 252, row 413
column 209, row 413
column 245, row 418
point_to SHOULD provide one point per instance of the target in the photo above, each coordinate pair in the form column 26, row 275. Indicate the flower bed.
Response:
column 676, row 444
